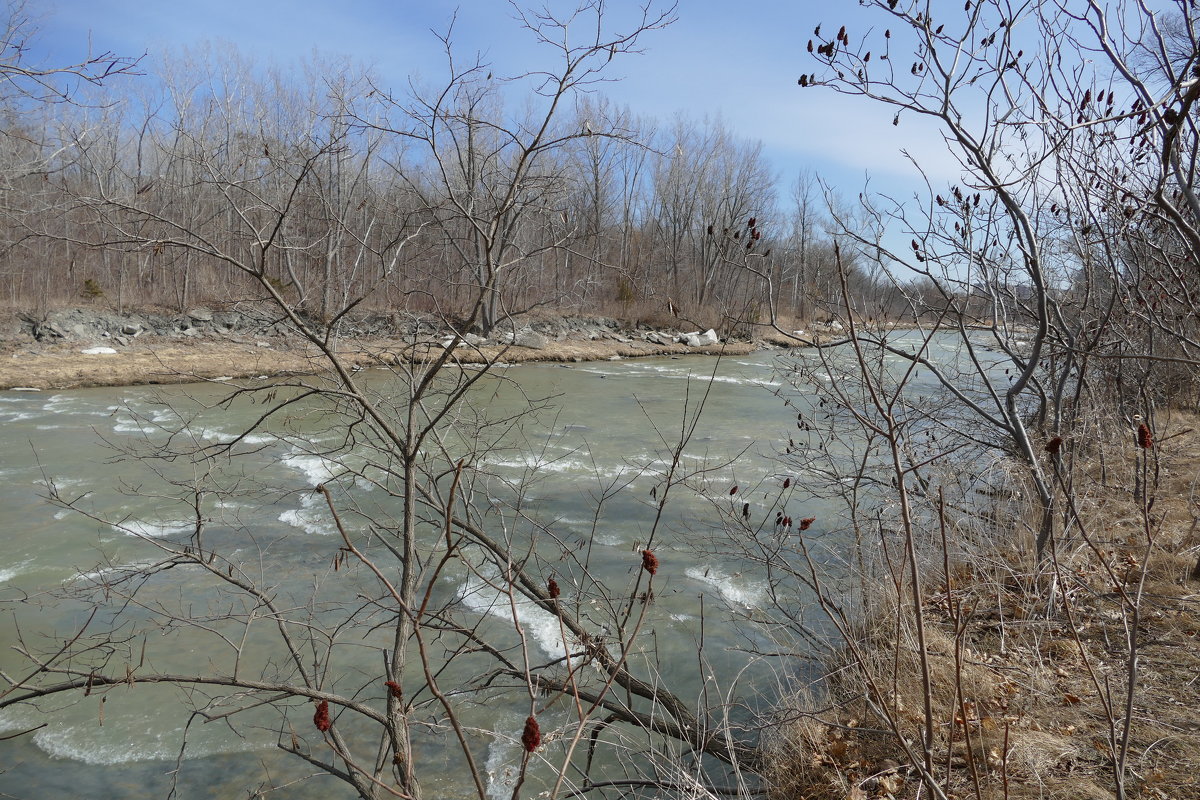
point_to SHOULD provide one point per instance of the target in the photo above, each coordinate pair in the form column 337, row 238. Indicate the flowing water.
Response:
column 608, row 435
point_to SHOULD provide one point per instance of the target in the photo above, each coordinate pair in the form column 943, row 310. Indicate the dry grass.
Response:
column 1021, row 673
column 66, row 367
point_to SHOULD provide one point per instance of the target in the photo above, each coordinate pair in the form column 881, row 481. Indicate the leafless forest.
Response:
column 138, row 193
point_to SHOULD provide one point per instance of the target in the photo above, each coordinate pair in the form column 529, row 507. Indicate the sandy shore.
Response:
column 68, row 366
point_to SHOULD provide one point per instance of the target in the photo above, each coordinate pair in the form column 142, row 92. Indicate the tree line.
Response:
column 142, row 191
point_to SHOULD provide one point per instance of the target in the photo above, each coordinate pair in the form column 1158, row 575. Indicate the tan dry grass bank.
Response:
column 1027, row 668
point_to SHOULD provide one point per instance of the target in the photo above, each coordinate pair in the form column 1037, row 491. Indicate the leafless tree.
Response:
column 1037, row 269
column 40, row 83
column 377, row 658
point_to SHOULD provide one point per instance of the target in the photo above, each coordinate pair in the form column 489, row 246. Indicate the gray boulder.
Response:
column 697, row 339
column 534, row 341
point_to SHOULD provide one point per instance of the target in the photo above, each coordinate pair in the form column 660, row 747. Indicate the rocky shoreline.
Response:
column 81, row 347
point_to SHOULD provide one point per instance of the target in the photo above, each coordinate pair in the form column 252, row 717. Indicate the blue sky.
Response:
column 736, row 60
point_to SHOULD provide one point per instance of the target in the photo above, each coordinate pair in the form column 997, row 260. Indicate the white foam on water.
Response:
column 164, row 415
column 562, row 464
column 64, row 486
column 129, row 419
column 153, row 529
column 93, row 574
column 316, row 469
column 503, row 763
column 127, row 424
column 60, row 403
column 112, row 744
column 537, row 623
column 674, row 373
column 97, row 574
column 526, row 461
column 224, row 437
column 15, row 416
column 734, row 590
column 91, row 744
column 309, row 517
column 8, row 574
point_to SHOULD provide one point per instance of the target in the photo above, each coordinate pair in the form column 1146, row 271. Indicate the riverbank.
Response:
column 76, row 348
column 1028, row 666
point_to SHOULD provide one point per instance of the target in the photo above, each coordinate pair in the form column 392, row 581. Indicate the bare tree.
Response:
column 378, row 659
column 41, row 83
column 490, row 178
column 1036, row 270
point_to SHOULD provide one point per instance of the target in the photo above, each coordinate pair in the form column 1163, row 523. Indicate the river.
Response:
column 606, row 433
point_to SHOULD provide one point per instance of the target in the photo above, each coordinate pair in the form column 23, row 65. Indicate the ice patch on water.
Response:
column 735, row 590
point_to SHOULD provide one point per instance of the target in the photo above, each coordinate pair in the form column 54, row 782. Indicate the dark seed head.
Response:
column 1145, row 438
column 531, row 737
column 321, row 719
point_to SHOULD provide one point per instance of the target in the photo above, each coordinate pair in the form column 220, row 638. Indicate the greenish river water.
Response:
column 606, row 435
